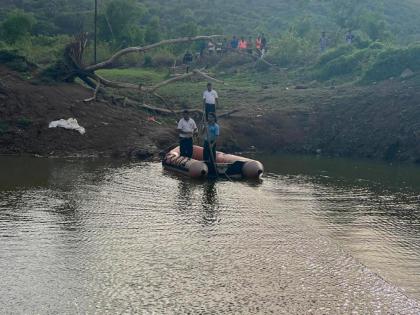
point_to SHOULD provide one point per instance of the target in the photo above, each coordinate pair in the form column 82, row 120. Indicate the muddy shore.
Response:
column 380, row 121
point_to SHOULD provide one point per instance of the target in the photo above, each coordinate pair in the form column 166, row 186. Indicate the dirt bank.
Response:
column 380, row 121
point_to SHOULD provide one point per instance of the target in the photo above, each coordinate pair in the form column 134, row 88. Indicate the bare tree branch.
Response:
column 206, row 76
column 169, row 81
column 129, row 50
column 181, row 77
column 151, row 89
column 163, row 111
column 256, row 58
column 115, row 84
column 164, row 102
column 95, row 93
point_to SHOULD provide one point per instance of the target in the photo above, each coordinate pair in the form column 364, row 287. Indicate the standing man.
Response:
column 234, row 42
column 210, row 138
column 323, row 42
column 250, row 45
column 263, row 45
column 210, row 100
column 187, row 60
column 243, row 44
column 258, row 45
column 211, row 47
column 186, row 129
column 349, row 37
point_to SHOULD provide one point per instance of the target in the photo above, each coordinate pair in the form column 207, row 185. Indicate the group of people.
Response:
column 187, row 129
column 237, row 43
column 324, row 40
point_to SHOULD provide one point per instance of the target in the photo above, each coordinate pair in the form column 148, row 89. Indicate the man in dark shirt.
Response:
column 263, row 45
column 234, row 42
column 188, row 58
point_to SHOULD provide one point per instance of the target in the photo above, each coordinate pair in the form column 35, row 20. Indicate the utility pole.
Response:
column 95, row 35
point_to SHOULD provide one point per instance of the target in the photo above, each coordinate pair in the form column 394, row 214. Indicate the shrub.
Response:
column 352, row 61
column 392, row 62
column 292, row 51
column 45, row 50
column 334, row 53
column 233, row 60
column 18, row 24
column 376, row 45
column 339, row 66
column 148, row 61
column 15, row 61
column 163, row 59
column 261, row 66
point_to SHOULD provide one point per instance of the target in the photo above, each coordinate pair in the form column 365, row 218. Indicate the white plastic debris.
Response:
column 70, row 123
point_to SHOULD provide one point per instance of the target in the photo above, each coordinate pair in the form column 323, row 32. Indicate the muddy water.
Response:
column 316, row 236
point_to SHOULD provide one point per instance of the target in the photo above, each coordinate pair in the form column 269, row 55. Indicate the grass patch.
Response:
column 134, row 75
column 392, row 62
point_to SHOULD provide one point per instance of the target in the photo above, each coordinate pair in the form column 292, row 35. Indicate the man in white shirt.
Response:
column 186, row 129
column 210, row 100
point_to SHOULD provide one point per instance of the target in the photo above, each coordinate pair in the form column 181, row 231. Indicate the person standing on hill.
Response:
column 187, row 60
column 263, row 45
column 234, row 42
column 258, row 45
column 349, row 37
column 186, row 128
column 202, row 48
column 219, row 47
column 323, row 42
column 210, row 100
column 243, row 44
column 250, row 45
column 211, row 47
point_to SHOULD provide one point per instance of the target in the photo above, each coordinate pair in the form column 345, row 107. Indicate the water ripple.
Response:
column 133, row 239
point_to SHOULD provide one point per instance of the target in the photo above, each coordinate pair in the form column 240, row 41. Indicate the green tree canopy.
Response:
column 18, row 24
column 120, row 22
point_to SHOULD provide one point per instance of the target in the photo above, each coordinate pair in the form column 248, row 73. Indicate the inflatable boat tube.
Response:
column 235, row 166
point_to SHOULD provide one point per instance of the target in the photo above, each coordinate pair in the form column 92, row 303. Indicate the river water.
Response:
column 316, row 236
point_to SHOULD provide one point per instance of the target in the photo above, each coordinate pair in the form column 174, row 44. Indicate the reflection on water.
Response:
column 210, row 203
column 110, row 237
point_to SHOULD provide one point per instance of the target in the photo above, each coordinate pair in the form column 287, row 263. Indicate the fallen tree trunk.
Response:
column 164, row 111
column 255, row 58
column 129, row 50
column 153, row 88
column 73, row 67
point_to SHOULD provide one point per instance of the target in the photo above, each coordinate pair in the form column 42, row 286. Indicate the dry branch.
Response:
column 182, row 77
column 153, row 88
column 95, row 93
column 163, row 111
column 256, row 58
column 129, row 50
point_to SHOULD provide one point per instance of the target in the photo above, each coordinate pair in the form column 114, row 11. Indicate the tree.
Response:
column 347, row 13
column 119, row 22
column 18, row 24
column 152, row 31
column 374, row 26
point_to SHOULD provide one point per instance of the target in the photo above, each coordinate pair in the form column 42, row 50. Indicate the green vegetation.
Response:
column 392, row 62
column 15, row 61
column 134, row 75
column 4, row 127
column 384, row 34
